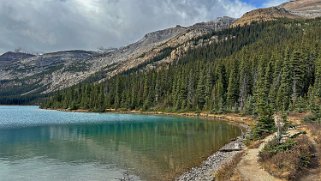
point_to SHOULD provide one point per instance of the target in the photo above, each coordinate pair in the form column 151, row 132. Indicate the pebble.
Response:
column 206, row 171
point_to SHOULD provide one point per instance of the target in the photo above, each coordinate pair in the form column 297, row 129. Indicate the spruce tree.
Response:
column 117, row 95
column 200, row 91
column 317, row 81
column 190, row 91
column 261, row 89
column 298, row 71
column 245, row 83
column 284, row 92
column 208, row 88
column 233, row 88
column 265, row 122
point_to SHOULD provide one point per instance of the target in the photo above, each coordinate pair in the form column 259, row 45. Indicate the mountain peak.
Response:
column 295, row 9
column 304, row 8
column 14, row 56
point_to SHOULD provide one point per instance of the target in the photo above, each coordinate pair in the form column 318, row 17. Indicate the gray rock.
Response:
column 206, row 170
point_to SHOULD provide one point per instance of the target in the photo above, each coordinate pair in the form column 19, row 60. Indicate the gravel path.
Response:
column 206, row 171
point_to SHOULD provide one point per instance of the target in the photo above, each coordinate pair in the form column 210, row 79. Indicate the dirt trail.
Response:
column 314, row 174
column 249, row 168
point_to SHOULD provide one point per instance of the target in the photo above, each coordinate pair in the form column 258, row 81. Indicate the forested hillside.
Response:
column 257, row 69
column 26, row 78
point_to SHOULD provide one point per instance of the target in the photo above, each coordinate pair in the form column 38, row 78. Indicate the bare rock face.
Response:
column 58, row 70
column 304, row 8
column 293, row 10
column 39, row 72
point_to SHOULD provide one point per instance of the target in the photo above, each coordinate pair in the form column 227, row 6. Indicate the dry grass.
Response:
column 315, row 129
column 255, row 144
column 288, row 160
column 226, row 171
column 236, row 176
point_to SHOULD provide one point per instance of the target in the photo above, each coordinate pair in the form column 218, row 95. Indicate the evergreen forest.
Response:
column 258, row 69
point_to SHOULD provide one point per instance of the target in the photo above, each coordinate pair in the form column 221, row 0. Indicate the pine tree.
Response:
column 200, row 91
column 101, row 100
column 298, row 71
column 183, row 91
column 284, row 92
column 158, row 90
column 317, row 81
column 221, row 88
column 208, row 88
column 233, row 88
column 190, row 90
column 265, row 122
column 245, row 84
column 117, row 95
column 276, row 81
column 269, row 78
column 261, row 90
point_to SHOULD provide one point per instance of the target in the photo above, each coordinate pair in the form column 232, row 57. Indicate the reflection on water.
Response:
column 152, row 147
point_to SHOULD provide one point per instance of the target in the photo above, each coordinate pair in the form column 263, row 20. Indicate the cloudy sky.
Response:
column 51, row 25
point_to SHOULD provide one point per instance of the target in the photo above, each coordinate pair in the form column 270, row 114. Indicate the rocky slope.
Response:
column 304, row 8
column 292, row 10
column 9, row 57
column 34, row 74
column 53, row 71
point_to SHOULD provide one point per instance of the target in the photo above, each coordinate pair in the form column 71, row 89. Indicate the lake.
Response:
column 42, row 145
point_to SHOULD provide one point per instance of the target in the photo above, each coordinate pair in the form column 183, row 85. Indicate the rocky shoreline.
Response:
column 205, row 172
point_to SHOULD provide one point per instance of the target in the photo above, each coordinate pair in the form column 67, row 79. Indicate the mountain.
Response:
column 304, row 8
column 33, row 73
column 256, row 69
column 9, row 57
column 25, row 74
column 54, row 71
column 297, row 9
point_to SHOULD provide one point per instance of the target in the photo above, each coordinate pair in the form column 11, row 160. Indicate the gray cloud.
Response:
column 51, row 25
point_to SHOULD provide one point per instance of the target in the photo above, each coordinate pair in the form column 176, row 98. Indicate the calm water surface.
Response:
column 45, row 145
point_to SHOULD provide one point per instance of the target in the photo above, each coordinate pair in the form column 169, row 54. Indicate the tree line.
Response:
column 267, row 67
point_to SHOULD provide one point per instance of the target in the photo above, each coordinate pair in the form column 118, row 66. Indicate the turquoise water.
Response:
column 42, row 145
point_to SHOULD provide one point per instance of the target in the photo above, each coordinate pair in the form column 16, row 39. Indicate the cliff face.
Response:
column 292, row 10
column 58, row 70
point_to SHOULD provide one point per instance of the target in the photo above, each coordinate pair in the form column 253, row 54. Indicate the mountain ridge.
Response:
column 14, row 56
column 58, row 70
column 49, row 72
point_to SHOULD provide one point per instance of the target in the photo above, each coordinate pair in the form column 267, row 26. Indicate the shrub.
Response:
column 273, row 147
column 310, row 118
column 263, row 128
column 289, row 159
